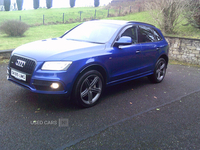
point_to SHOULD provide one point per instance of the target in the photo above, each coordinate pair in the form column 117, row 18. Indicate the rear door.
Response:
column 149, row 40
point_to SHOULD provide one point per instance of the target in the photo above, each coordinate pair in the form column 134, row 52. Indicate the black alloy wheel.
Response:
column 159, row 71
column 88, row 88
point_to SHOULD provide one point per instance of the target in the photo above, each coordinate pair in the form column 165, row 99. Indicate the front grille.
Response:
column 27, row 68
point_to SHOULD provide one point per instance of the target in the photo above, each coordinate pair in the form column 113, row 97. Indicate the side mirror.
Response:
column 124, row 40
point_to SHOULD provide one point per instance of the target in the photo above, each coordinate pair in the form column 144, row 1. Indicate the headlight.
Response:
column 56, row 65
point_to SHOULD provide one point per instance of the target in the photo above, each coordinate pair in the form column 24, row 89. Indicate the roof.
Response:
column 137, row 22
column 117, row 22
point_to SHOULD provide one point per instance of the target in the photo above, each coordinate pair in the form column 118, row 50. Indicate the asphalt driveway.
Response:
column 132, row 115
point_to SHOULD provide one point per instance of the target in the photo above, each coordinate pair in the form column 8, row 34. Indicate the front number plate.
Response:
column 18, row 75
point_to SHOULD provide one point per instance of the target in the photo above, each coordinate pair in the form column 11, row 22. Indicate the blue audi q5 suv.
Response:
column 90, row 57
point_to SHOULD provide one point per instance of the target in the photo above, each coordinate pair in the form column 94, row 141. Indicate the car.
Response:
column 90, row 57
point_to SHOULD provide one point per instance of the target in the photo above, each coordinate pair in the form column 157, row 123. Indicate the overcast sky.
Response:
column 28, row 4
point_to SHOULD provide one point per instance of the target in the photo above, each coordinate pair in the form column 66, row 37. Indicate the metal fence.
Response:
column 72, row 17
column 67, row 17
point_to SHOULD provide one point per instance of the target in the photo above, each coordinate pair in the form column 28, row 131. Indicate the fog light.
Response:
column 54, row 86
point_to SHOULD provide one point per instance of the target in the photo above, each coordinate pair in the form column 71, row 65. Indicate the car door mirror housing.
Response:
column 124, row 40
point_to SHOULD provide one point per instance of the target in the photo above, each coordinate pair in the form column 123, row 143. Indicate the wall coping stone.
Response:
column 182, row 38
column 5, row 54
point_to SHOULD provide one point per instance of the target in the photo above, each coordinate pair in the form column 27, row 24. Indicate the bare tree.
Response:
column 192, row 12
column 166, row 13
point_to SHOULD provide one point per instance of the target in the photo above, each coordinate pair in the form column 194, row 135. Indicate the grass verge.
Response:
column 33, row 34
column 4, row 61
column 54, row 15
column 175, row 62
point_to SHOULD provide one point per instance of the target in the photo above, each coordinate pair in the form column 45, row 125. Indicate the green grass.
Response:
column 49, row 31
column 186, row 32
column 55, row 15
column 175, row 62
column 141, row 17
column 33, row 34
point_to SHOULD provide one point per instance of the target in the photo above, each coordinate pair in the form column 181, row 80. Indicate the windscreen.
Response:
column 92, row 32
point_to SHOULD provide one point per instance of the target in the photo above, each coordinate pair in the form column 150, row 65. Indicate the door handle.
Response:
column 158, row 48
column 138, row 51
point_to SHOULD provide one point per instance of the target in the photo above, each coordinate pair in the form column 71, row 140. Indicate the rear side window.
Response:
column 157, row 35
column 147, row 34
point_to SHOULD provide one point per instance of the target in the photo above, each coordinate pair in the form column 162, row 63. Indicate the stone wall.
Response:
column 5, row 54
column 184, row 49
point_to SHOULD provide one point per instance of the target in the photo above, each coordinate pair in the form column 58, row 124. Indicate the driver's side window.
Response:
column 131, row 32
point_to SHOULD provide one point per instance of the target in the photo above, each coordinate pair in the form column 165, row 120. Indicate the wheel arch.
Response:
column 92, row 67
column 164, row 57
column 95, row 67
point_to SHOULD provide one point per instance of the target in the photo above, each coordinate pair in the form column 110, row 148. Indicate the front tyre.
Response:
column 159, row 71
column 88, row 88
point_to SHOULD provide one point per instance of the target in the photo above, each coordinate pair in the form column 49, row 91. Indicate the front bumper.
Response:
column 41, row 81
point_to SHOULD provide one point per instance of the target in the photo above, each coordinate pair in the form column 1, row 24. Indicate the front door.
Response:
column 126, row 61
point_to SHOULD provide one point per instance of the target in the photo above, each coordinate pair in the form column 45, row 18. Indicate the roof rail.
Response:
column 93, row 19
column 141, row 22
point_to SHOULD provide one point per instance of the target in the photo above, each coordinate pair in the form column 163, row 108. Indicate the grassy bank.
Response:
column 50, row 31
column 33, row 34
column 55, row 15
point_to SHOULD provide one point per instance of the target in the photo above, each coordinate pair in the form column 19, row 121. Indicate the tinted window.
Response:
column 131, row 32
column 157, row 35
column 145, row 35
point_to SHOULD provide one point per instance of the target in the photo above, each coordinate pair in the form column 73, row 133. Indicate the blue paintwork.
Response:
column 120, row 64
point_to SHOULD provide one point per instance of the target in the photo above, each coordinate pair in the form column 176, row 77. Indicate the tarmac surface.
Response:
column 135, row 115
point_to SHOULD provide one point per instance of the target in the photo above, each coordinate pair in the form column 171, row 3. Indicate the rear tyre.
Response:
column 159, row 71
column 88, row 89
